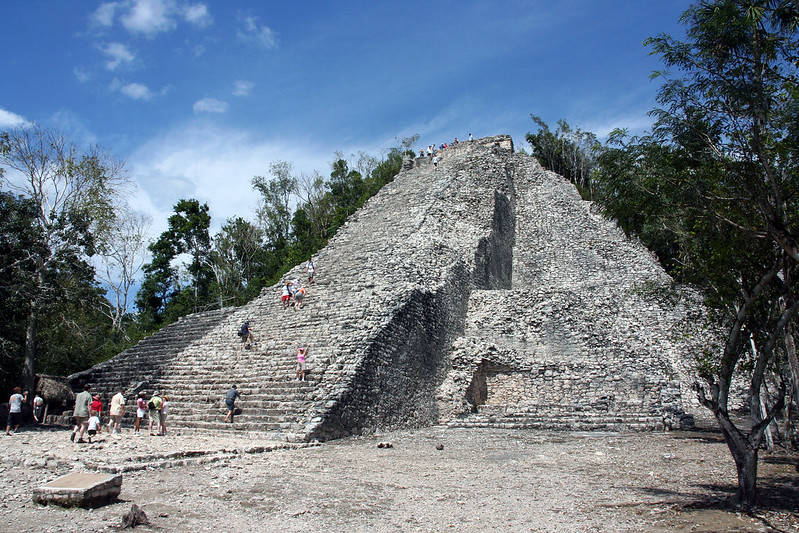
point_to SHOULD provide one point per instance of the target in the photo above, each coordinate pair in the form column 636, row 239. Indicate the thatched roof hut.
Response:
column 55, row 390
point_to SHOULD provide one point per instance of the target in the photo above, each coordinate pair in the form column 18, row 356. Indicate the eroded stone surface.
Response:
column 80, row 489
column 482, row 291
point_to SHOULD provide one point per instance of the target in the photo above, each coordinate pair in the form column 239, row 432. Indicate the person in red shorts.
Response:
column 286, row 296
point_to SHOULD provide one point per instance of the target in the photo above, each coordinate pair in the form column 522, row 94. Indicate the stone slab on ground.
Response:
column 80, row 490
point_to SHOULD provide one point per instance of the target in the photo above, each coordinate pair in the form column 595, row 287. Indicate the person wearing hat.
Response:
column 97, row 405
column 15, row 409
column 154, row 413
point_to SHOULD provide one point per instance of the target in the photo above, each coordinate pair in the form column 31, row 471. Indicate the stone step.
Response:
column 277, row 390
column 575, row 425
column 544, row 418
column 191, row 413
column 241, row 425
column 278, row 378
column 206, row 378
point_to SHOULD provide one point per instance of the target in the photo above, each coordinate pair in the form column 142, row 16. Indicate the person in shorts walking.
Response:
column 116, row 411
column 230, row 402
column 15, row 409
column 81, row 413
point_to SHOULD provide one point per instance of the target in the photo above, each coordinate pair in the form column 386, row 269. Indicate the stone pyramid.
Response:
column 478, row 291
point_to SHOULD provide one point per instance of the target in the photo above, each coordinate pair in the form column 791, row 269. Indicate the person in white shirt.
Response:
column 95, row 425
column 116, row 412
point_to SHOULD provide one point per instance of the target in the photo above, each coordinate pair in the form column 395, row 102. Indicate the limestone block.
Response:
column 80, row 490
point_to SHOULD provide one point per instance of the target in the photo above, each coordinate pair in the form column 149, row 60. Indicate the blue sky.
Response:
column 199, row 96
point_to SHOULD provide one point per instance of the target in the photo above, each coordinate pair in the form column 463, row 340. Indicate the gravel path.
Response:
column 480, row 480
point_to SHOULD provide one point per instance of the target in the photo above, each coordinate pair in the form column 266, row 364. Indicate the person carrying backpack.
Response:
column 246, row 335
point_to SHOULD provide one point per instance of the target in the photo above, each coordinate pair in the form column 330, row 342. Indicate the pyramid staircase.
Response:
column 482, row 291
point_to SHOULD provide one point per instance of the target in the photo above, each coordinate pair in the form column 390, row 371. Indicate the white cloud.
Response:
column 210, row 105
column 215, row 165
column 11, row 120
column 255, row 33
column 197, row 15
column 243, row 88
column 82, row 74
column 150, row 17
column 104, row 15
column 117, row 54
column 136, row 91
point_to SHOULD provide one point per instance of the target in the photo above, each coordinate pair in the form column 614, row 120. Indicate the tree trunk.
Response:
column 763, row 414
column 746, row 465
column 744, row 450
column 794, row 362
column 28, row 377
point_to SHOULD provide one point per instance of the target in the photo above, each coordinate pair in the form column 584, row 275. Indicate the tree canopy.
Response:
column 713, row 190
column 59, row 196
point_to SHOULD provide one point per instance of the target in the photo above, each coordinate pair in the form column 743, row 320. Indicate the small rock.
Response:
column 134, row 517
column 439, row 447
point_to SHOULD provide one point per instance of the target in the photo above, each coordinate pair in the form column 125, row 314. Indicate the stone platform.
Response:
column 80, row 490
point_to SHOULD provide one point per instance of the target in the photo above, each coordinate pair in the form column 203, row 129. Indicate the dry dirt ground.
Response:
column 481, row 480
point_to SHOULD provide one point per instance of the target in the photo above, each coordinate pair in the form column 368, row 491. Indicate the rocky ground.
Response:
column 433, row 479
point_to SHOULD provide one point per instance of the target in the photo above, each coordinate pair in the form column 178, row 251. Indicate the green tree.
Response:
column 237, row 257
column 121, row 245
column 347, row 189
column 384, row 173
column 274, row 211
column 164, row 296
column 311, row 222
column 568, row 152
column 715, row 187
column 19, row 239
column 71, row 192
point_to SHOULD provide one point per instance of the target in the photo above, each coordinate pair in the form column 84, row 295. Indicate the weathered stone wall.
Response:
column 591, row 324
column 460, row 237
column 482, row 289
